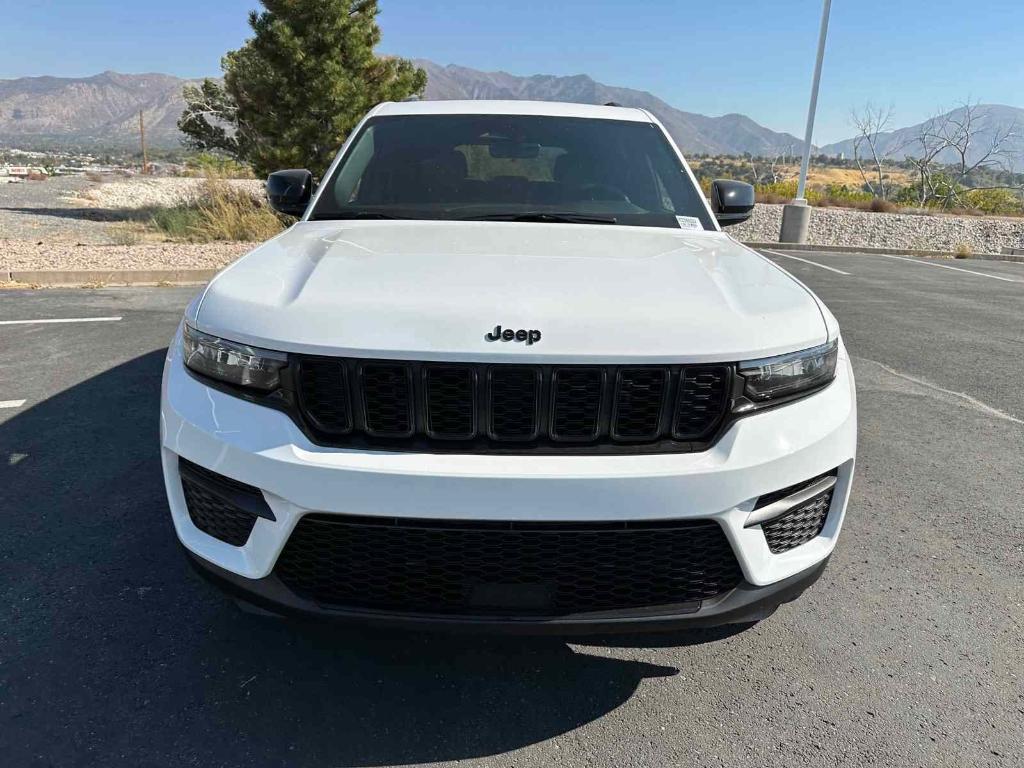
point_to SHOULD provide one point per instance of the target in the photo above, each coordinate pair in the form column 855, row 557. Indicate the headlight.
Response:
column 232, row 362
column 774, row 378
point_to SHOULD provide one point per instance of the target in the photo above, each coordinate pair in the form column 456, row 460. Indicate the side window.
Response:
column 675, row 190
column 664, row 198
column 347, row 185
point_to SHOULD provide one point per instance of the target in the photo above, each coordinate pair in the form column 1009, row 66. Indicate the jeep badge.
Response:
column 530, row 337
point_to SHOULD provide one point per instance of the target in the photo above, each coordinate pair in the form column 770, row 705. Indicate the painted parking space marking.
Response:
column 11, row 403
column 955, row 269
column 807, row 261
column 62, row 320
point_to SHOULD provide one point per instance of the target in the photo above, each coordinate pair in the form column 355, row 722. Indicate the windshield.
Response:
column 513, row 168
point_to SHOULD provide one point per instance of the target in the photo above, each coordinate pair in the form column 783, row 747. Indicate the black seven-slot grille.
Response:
column 478, row 568
column 511, row 408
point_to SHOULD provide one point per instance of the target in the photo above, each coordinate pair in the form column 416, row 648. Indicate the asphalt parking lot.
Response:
column 906, row 653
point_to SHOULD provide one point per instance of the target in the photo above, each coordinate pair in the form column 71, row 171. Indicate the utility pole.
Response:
column 796, row 216
column 142, row 140
column 808, row 134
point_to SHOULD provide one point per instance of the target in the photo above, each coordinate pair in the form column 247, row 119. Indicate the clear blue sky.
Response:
column 709, row 56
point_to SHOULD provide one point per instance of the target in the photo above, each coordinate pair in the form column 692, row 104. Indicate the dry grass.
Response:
column 850, row 176
column 126, row 233
column 963, row 251
column 227, row 213
column 878, row 205
column 816, row 176
column 15, row 286
column 219, row 212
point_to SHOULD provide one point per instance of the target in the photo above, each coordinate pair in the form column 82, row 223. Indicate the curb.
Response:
column 892, row 251
column 104, row 277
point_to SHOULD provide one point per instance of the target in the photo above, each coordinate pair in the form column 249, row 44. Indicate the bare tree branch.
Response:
column 948, row 151
column 871, row 121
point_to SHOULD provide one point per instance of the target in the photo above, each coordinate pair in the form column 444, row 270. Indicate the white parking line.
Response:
column 805, row 261
column 955, row 269
column 62, row 320
column 11, row 403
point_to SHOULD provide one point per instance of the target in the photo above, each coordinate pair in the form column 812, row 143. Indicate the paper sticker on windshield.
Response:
column 689, row 222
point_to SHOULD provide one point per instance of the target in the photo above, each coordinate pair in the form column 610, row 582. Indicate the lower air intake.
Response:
column 472, row 568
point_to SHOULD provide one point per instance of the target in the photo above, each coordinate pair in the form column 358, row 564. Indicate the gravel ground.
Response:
column 47, row 211
column 153, row 193
column 30, row 255
column 838, row 226
column 71, row 210
column 70, row 223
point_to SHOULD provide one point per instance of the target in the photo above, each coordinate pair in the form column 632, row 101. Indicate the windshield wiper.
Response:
column 356, row 215
column 544, row 216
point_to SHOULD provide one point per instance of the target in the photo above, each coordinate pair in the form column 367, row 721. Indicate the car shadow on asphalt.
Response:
column 86, row 213
column 115, row 649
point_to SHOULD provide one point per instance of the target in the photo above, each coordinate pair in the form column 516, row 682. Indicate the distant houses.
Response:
column 17, row 173
column 23, row 172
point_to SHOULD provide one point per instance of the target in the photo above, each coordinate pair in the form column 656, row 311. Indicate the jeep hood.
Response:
column 434, row 289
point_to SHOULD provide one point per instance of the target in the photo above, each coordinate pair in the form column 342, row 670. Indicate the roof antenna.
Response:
column 612, row 104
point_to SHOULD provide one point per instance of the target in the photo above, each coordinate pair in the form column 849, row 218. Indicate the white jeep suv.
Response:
column 507, row 371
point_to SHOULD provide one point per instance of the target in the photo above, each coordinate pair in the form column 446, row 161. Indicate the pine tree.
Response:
column 295, row 90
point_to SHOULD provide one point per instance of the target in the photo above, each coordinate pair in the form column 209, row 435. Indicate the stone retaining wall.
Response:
column 844, row 226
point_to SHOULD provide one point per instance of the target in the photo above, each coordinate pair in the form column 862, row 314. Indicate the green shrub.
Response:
column 779, row 191
column 177, row 222
column 839, row 195
column 995, row 201
column 909, row 195
column 210, row 165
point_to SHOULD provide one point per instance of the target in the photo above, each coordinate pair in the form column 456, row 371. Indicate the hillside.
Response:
column 102, row 111
column 731, row 134
column 993, row 117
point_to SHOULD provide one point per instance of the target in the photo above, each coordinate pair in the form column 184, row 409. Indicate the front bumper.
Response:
column 759, row 454
column 747, row 603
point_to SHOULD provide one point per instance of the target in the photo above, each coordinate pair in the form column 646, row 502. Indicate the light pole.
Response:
column 796, row 215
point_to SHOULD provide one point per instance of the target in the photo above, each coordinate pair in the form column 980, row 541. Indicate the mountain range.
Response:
column 731, row 134
column 989, row 120
column 102, row 111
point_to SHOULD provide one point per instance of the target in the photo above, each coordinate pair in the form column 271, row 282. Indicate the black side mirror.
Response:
column 289, row 191
column 732, row 201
